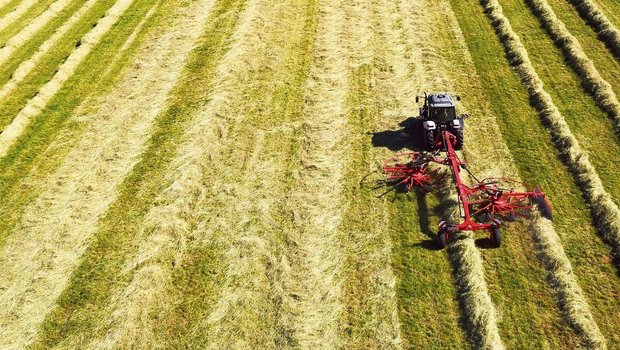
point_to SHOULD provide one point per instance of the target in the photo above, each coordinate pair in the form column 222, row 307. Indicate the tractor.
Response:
column 484, row 205
column 438, row 114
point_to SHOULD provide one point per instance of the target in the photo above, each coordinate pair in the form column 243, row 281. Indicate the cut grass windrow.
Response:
column 591, row 79
column 14, row 15
column 83, row 307
column 570, row 295
column 27, row 66
column 604, row 210
column 370, row 316
column 15, row 42
column 34, row 107
column 4, row 3
column 571, row 298
column 537, row 160
column 603, row 27
column 132, row 38
column 314, row 251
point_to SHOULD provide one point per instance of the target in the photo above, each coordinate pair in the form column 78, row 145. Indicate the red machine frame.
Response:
column 482, row 206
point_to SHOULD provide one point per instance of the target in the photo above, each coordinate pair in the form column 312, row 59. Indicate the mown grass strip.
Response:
column 35, row 106
column 6, row 5
column 16, row 20
column 19, row 39
column 426, row 295
column 371, row 315
column 604, row 210
column 99, row 58
column 605, row 30
column 199, row 176
column 309, row 268
column 32, row 153
column 65, row 214
column 84, row 302
column 577, row 309
column 270, row 146
column 591, row 79
column 538, row 163
column 36, row 69
column 479, row 315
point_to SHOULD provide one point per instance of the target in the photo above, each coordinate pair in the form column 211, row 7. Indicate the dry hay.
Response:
column 591, row 79
column 554, row 260
column 28, row 32
column 13, row 131
column 314, row 254
column 604, row 28
column 27, row 66
column 38, row 258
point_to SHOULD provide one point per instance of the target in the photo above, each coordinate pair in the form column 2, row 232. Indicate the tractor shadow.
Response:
column 409, row 136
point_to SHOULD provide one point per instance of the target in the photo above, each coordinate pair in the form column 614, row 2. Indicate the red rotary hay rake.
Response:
column 482, row 206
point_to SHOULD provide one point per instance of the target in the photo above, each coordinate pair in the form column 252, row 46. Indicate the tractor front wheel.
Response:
column 442, row 239
column 496, row 236
column 429, row 140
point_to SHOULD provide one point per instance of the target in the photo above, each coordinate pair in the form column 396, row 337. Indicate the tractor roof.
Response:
column 441, row 100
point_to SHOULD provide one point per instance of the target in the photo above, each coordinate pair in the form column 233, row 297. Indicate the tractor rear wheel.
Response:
column 496, row 236
column 442, row 239
column 458, row 133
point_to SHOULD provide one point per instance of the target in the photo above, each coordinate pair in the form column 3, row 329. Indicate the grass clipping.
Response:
column 591, row 79
column 604, row 209
column 605, row 30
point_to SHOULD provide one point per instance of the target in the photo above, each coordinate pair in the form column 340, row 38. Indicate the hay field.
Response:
column 197, row 174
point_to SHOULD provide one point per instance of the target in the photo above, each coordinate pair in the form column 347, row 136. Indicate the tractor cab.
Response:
column 439, row 114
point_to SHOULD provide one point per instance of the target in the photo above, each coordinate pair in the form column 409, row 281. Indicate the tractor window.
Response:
column 443, row 114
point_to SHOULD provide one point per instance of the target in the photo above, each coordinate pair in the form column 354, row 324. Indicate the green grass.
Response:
column 24, row 20
column 9, row 7
column 595, row 49
column 30, row 47
column 538, row 162
column 30, row 156
column 273, row 107
column 592, row 127
column 368, row 318
column 83, row 302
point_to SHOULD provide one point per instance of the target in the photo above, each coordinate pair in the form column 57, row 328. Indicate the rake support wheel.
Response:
column 496, row 236
column 442, row 239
